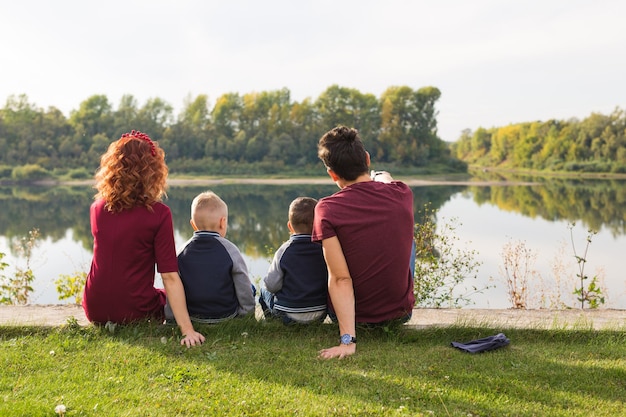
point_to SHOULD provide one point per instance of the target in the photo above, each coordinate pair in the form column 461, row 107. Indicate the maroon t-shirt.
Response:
column 374, row 224
column 127, row 245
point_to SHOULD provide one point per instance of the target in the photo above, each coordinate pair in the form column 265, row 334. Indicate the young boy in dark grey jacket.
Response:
column 296, row 288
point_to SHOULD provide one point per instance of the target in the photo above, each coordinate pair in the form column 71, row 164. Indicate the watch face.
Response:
column 346, row 339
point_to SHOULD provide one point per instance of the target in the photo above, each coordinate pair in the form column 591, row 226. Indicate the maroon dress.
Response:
column 127, row 246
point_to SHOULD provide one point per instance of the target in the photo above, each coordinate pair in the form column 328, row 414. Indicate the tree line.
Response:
column 254, row 133
column 594, row 144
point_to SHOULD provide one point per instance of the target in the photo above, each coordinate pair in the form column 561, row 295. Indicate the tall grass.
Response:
column 247, row 368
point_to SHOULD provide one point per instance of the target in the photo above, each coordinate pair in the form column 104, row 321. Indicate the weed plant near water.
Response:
column 249, row 368
column 16, row 288
column 442, row 269
column 592, row 293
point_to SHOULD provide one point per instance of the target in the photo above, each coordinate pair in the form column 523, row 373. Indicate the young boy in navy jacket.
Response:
column 296, row 282
column 212, row 269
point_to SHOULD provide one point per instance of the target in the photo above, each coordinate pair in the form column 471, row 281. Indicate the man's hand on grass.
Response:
column 341, row 351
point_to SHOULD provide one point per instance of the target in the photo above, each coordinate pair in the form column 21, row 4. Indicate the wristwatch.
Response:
column 346, row 339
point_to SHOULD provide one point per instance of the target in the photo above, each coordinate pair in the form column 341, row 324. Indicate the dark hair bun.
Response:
column 349, row 134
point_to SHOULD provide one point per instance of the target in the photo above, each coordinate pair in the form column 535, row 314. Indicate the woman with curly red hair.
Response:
column 133, row 232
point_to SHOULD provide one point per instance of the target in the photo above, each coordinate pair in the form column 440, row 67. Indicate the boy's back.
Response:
column 215, row 277
column 298, row 276
column 213, row 272
column 296, row 282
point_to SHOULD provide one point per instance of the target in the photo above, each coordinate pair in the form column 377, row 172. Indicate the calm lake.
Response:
column 485, row 219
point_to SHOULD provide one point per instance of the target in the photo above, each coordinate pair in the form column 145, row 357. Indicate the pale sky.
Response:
column 495, row 61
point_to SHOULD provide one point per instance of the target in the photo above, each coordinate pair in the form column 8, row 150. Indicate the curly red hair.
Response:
column 132, row 173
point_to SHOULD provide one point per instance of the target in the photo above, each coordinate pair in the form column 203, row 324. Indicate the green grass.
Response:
column 247, row 368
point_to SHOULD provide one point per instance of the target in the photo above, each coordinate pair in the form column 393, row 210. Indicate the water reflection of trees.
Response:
column 52, row 210
column 596, row 203
column 258, row 213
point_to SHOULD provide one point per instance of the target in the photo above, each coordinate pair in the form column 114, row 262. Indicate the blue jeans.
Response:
column 266, row 300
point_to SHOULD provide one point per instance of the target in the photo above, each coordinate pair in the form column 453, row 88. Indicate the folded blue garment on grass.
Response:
column 484, row 344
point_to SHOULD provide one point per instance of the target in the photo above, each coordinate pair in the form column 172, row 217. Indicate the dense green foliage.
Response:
column 249, row 368
column 241, row 134
column 595, row 144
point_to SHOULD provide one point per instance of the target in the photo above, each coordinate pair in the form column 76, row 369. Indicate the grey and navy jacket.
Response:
column 215, row 277
column 298, row 276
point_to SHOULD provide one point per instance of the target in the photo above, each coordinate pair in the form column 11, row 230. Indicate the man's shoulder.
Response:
column 402, row 185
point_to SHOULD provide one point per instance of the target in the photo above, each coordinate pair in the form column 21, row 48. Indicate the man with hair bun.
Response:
column 366, row 231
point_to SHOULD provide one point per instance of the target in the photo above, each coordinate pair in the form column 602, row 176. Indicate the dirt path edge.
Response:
column 57, row 315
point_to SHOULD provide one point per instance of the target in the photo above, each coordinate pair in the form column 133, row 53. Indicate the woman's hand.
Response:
column 176, row 296
column 192, row 338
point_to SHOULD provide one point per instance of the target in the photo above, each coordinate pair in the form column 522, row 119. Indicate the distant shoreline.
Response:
column 182, row 182
column 474, row 177
column 291, row 181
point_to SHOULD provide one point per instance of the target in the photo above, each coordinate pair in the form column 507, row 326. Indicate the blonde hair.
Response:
column 207, row 209
column 132, row 173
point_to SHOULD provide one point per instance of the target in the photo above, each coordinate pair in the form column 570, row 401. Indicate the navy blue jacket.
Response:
column 298, row 277
column 215, row 277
